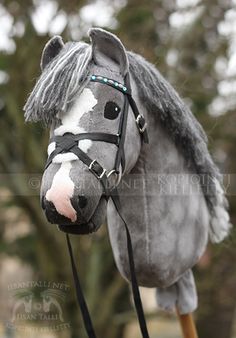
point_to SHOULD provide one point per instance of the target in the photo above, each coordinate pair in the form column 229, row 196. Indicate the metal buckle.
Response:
column 138, row 120
column 117, row 178
column 94, row 172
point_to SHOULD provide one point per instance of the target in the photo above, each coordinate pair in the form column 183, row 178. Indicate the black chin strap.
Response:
column 135, row 289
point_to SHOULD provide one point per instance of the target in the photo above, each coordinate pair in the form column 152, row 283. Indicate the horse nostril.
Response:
column 82, row 201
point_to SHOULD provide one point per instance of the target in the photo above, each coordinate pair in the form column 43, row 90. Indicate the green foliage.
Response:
column 23, row 248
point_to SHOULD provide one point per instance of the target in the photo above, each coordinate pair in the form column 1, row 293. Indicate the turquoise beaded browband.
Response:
column 110, row 82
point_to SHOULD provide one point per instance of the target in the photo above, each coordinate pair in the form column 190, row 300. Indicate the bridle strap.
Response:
column 120, row 155
column 135, row 289
column 139, row 118
column 134, row 283
column 69, row 143
column 103, row 137
column 79, row 294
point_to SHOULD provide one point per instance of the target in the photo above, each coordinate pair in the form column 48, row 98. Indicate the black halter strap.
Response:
column 69, row 143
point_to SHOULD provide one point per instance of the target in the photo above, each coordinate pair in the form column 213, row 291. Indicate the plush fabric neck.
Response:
column 166, row 109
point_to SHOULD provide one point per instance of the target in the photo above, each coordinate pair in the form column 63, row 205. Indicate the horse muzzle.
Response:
column 78, row 215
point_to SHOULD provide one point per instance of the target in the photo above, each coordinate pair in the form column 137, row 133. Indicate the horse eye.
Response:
column 111, row 111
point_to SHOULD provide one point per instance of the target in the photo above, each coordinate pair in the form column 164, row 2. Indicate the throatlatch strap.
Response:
column 135, row 290
column 79, row 293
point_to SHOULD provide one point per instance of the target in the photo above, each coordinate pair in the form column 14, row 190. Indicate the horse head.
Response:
column 93, row 121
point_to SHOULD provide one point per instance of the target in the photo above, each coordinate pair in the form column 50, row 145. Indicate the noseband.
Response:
column 69, row 143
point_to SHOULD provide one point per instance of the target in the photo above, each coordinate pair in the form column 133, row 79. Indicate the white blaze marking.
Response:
column 61, row 191
column 67, row 157
column 70, row 123
column 85, row 145
column 62, row 188
column 70, row 120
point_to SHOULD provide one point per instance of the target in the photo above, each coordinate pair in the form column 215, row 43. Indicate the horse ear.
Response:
column 108, row 50
column 51, row 49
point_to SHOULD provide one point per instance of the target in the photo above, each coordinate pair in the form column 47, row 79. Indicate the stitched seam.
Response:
column 146, row 216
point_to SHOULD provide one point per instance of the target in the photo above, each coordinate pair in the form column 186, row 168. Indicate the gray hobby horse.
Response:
column 170, row 190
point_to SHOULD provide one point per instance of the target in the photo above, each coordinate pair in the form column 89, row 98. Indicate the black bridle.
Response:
column 69, row 143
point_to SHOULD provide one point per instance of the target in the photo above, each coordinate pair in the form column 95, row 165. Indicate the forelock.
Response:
column 60, row 82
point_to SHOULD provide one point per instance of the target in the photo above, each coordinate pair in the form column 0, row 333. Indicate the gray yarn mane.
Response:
column 67, row 75
column 59, row 83
column 160, row 99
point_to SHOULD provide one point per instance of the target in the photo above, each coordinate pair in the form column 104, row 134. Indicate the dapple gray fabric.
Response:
column 107, row 51
column 168, row 214
column 160, row 99
column 182, row 294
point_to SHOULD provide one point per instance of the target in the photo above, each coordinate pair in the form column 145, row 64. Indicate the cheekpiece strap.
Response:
column 126, row 89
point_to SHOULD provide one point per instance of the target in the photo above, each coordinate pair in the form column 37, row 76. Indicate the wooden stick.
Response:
column 187, row 325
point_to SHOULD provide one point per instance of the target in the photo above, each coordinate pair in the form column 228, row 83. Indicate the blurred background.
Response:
column 193, row 44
